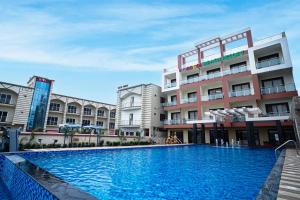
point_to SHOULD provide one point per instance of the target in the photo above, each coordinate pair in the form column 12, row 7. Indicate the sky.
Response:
column 91, row 47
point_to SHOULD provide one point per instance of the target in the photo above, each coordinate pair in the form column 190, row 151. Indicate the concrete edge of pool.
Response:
column 58, row 188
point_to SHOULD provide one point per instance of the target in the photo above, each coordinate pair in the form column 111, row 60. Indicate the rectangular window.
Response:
column 212, row 71
column 173, row 81
column 87, row 111
column 268, row 57
column 192, row 76
column 162, row 117
column 130, row 118
column 3, row 116
column 147, row 133
column 242, row 86
column 192, row 95
column 100, row 113
column 277, row 108
column 237, row 65
column 52, row 121
column 99, row 123
column 112, row 114
column 215, row 91
column 71, row 109
column 86, row 122
column 131, row 101
column 111, row 125
column 175, row 115
column 273, row 82
column 5, row 98
column 192, row 115
column 173, row 98
column 54, row 106
column 70, row 121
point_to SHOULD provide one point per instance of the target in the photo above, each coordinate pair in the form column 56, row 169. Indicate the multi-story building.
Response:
column 231, row 89
column 139, row 110
column 35, row 107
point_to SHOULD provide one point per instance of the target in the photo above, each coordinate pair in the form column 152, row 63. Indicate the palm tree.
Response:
column 66, row 131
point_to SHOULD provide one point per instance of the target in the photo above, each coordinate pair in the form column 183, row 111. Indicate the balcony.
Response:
column 172, row 103
column 212, row 97
column 275, row 114
column 278, row 89
column 173, row 122
column 170, row 85
column 216, row 75
column 131, row 105
column 240, row 93
column 130, row 123
column 188, row 100
column 269, row 63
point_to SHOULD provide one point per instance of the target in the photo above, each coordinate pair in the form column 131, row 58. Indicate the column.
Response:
column 202, row 134
column 249, row 38
column 280, row 132
column 250, row 133
column 195, row 141
column 65, row 112
column 222, row 132
column 215, row 133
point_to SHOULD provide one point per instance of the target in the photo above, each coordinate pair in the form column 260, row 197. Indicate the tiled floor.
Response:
column 290, row 177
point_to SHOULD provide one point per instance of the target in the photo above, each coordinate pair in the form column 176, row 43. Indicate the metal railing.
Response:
column 173, row 122
column 275, row 114
column 170, row 85
column 215, row 75
column 239, row 93
column 189, row 100
column 130, row 122
column 284, row 144
column 278, row 89
column 131, row 104
column 212, row 97
column 268, row 63
column 171, row 103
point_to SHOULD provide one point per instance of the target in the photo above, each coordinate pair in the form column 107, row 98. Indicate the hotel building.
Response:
column 231, row 89
column 35, row 107
column 139, row 110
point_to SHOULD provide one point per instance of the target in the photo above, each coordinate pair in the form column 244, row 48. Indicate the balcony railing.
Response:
column 170, row 85
column 130, row 123
column 173, row 121
column 278, row 89
column 215, row 75
column 239, row 93
column 268, row 63
column 275, row 114
column 172, row 103
column 212, row 97
column 131, row 105
column 189, row 100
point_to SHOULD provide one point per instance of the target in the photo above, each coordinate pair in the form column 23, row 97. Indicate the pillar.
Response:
column 195, row 134
column 250, row 133
column 280, row 132
column 215, row 132
column 222, row 132
column 202, row 134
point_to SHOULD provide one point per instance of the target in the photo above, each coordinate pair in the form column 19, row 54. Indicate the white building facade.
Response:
column 139, row 110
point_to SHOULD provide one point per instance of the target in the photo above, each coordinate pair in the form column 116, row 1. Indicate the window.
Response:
column 273, row 82
column 192, row 115
column 213, row 71
column 71, row 109
column 52, row 121
column 214, row 109
column 99, row 123
column 192, row 76
column 268, row 57
column 192, row 95
column 242, row 86
column 173, row 98
column 3, row 116
column 131, row 101
column 87, row 111
column 215, row 91
column 130, row 118
column 5, row 98
column 111, row 125
column 162, row 117
column 175, row 115
column 173, row 81
column 147, row 133
column 112, row 114
column 100, row 113
column 70, row 121
column 237, row 65
column 277, row 108
column 86, row 122
column 54, row 106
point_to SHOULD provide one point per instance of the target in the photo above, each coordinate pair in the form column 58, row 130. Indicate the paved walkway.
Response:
column 289, row 187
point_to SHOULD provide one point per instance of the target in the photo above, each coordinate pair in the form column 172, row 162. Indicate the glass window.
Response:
column 192, row 115
column 5, row 98
column 70, row 121
column 277, row 108
column 173, row 81
column 3, row 116
column 71, row 109
column 86, row 122
column 87, row 111
column 99, row 123
column 112, row 114
column 52, row 120
column 173, row 98
column 100, row 113
column 274, row 82
column 208, row 72
column 215, row 91
column 268, row 57
column 242, row 86
column 192, row 95
column 192, row 76
column 175, row 115
column 237, row 65
column 54, row 106
column 111, row 125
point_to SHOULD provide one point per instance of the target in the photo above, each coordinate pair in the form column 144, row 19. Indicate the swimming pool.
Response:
column 186, row 172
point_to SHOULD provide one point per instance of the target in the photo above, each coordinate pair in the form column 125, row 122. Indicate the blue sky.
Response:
column 91, row 47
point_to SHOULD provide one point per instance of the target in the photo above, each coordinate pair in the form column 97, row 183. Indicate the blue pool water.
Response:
column 190, row 172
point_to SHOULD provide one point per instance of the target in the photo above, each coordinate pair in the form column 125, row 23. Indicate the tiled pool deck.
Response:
column 289, row 187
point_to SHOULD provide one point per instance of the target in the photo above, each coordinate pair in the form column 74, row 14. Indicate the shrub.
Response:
column 58, row 145
column 87, row 144
column 108, row 143
column 70, row 145
column 44, row 146
column 116, row 143
column 64, row 145
column 79, row 144
column 100, row 143
column 93, row 144
column 74, row 145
